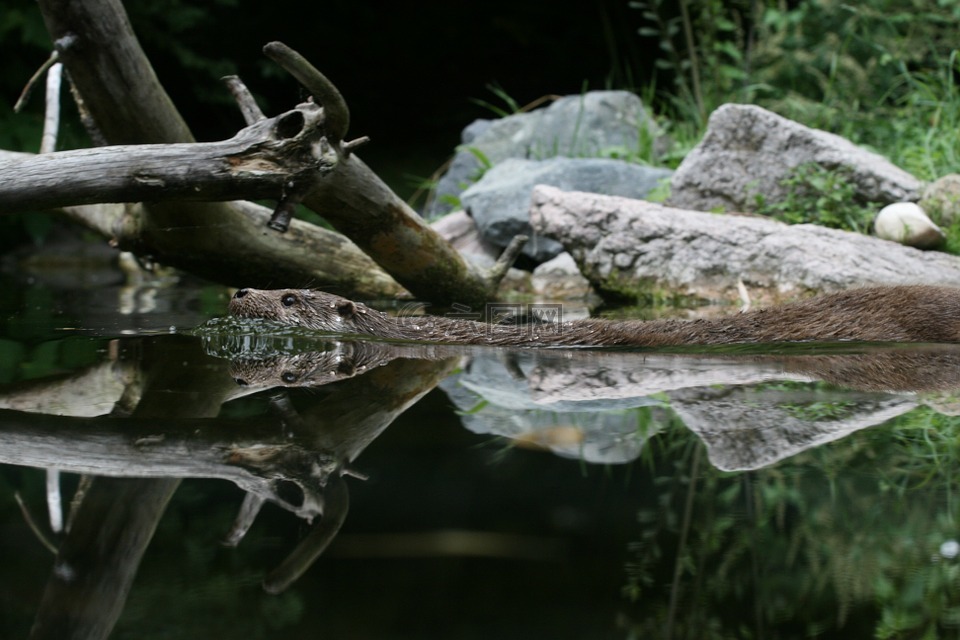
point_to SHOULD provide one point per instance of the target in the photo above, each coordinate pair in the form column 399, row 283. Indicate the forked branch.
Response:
column 323, row 91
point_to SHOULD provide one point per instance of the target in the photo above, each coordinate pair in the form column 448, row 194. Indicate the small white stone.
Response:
column 907, row 223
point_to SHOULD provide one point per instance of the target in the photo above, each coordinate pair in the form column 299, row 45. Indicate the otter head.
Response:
column 296, row 307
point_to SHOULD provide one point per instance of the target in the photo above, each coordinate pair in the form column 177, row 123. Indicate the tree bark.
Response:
column 97, row 45
column 119, row 86
column 359, row 205
column 99, row 559
column 225, row 242
column 256, row 163
column 111, row 528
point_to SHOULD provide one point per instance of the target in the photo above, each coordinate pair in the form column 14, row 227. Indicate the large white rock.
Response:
column 749, row 151
column 626, row 247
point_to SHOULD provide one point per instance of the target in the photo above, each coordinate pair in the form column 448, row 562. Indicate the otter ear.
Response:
column 347, row 309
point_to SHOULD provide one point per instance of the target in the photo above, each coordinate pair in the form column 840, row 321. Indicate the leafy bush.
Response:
column 823, row 196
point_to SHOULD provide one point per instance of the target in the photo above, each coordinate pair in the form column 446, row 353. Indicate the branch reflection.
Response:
column 150, row 415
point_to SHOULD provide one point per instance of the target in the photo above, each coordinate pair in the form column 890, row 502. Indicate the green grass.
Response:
column 881, row 73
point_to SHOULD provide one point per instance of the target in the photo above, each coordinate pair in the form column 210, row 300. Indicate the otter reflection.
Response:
column 374, row 388
column 311, row 368
column 337, row 360
column 914, row 368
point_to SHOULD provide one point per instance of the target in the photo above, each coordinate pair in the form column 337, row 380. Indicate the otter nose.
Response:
column 241, row 292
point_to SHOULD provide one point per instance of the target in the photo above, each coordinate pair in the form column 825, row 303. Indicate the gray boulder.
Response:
column 593, row 124
column 560, row 279
column 460, row 231
column 494, row 398
column 500, row 202
column 749, row 151
column 941, row 199
column 630, row 247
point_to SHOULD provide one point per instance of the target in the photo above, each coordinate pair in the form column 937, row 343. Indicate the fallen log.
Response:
column 96, row 43
column 258, row 162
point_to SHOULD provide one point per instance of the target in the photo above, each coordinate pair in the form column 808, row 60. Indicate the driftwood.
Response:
column 111, row 526
column 256, row 163
column 121, row 92
column 254, row 456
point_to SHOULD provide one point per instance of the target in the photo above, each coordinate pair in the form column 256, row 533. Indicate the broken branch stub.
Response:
column 323, row 91
column 500, row 268
column 248, row 105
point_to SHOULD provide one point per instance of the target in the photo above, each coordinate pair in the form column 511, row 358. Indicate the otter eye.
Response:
column 288, row 377
column 288, row 300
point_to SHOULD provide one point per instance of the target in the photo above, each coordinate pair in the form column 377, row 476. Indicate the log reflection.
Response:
column 155, row 418
column 164, row 427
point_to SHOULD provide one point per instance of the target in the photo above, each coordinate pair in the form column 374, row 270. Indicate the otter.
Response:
column 904, row 313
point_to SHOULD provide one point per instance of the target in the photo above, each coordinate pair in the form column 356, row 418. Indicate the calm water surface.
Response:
column 162, row 481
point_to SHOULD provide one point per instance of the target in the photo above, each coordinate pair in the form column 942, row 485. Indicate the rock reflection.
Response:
column 150, row 415
column 601, row 406
column 748, row 409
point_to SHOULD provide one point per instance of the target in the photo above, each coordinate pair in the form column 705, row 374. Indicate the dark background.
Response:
column 409, row 71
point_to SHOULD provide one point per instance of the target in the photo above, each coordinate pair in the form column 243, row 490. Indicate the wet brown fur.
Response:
column 907, row 313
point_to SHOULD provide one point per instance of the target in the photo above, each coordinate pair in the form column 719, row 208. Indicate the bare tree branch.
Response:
column 259, row 162
column 323, row 91
column 51, row 119
column 245, row 100
column 28, row 89
column 121, row 91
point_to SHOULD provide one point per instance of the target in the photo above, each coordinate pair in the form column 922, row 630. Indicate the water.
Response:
column 369, row 490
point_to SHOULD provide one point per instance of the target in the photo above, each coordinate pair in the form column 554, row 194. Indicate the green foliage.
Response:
column 823, row 196
column 923, row 126
column 661, row 192
column 12, row 354
column 821, row 411
column 844, row 537
column 703, row 51
column 512, row 106
column 482, row 160
column 178, row 30
column 881, row 73
column 953, row 238
column 483, row 165
column 27, row 46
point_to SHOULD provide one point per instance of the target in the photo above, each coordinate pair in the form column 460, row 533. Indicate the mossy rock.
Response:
column 941, row 200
